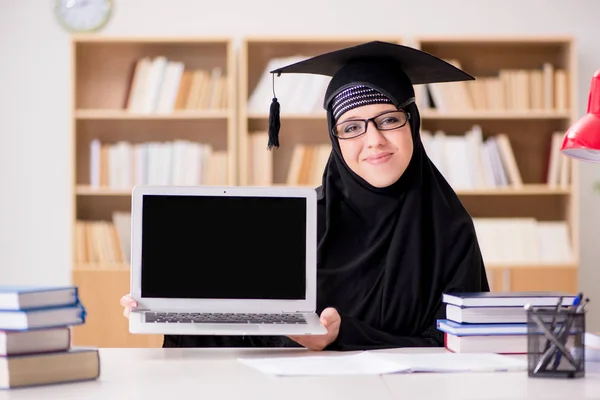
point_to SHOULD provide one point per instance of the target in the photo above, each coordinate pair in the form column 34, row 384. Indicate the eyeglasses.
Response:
column 386, row 121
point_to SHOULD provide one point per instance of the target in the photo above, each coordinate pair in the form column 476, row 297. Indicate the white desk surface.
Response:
column 216, row 374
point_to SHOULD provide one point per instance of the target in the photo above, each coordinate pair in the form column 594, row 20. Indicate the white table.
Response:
column 216, row 374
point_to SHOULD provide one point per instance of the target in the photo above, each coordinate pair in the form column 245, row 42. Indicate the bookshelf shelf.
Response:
column 138, row 104
column 92, row 114
column 84, row 190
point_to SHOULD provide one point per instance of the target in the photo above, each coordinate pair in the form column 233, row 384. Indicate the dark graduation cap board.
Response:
column 420, row 67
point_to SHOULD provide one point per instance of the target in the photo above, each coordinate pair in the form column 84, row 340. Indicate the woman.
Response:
column 392, row 234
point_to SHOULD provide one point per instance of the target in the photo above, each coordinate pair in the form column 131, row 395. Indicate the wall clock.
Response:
column 83, row 15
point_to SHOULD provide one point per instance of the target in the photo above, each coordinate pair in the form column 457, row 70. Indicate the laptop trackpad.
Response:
column 230, row 327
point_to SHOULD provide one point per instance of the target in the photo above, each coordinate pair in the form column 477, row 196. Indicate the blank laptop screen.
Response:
column 207, row 247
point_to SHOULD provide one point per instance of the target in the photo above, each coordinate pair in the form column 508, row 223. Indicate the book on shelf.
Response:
column 523, row 241
column 122, row 165
column 299, row 94
column 491, row 322
column 471, row 162
column 104, row 243
column 160, row 85
column 511, row 89
column 306, row 166
column 260, row 159
column 35, row 337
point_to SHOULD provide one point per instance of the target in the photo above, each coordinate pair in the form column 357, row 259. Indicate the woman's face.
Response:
column 380, row 157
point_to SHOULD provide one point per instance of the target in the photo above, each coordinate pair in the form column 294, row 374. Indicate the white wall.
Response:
column 35, row 154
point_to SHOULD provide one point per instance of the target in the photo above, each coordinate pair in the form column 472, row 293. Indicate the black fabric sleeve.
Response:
column 467, row 274
column 357, row 335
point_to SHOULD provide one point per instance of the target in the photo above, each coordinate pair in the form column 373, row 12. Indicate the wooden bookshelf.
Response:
column 103, row 71
column 108, row 107
column 528, row 126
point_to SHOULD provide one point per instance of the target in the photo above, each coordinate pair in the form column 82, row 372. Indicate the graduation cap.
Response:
column 391, row 69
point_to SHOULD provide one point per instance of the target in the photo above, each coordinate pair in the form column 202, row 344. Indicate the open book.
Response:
column 370, row 363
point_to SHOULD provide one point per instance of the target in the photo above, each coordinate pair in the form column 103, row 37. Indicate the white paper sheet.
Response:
column 367, row 363
column 357, row 364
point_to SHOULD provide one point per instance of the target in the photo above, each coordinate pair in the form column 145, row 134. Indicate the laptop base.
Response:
column 138, row 324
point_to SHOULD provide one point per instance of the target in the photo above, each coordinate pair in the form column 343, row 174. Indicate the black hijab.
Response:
column 386, row 255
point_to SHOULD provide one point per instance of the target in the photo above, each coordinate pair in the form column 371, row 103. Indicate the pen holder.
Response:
column 555, row 342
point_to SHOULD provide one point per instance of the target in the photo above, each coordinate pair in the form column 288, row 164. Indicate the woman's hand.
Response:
column 127, row 303
column 331, row 320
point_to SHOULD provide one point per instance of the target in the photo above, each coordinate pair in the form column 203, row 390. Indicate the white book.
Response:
column 169, row 87
column 95, row 148
column 153, row 83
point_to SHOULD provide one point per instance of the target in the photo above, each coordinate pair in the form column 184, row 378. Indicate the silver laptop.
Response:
column 224, row 261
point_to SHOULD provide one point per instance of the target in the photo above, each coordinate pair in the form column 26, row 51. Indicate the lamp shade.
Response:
column 582, row 140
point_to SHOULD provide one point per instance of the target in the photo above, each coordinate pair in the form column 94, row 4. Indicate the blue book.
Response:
column 17, row 320
column 508, row 299
column 454, row 328
column 33, row 297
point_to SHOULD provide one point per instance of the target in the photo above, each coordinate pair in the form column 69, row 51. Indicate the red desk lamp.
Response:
column 582, row 140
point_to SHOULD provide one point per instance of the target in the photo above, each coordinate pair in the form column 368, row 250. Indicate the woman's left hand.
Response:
column 331, row 320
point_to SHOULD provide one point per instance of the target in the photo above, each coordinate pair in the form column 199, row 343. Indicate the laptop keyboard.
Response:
column 224, row 318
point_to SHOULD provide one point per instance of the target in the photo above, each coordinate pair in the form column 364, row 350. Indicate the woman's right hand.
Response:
column 127, row 303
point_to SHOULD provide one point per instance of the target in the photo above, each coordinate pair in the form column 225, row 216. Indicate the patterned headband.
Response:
column 356, row 96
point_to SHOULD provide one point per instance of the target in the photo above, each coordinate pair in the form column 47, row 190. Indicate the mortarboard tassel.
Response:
column 274, row 121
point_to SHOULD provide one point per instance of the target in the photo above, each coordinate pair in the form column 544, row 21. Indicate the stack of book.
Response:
column 492, row 322
column 35, row 338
